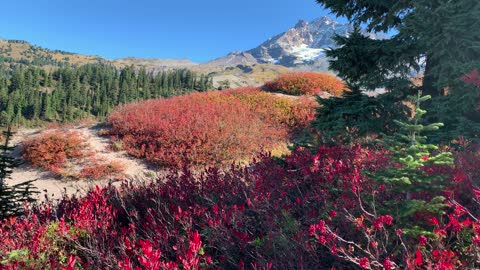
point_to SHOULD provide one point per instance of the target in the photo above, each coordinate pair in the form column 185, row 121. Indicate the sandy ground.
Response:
column 49, row 184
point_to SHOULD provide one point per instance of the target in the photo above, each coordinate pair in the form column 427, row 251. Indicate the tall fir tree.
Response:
column 439, row 38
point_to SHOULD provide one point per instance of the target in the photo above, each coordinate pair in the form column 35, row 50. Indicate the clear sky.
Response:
column 198, row 30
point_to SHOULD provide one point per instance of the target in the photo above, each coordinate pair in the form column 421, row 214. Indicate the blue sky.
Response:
column 198, row 30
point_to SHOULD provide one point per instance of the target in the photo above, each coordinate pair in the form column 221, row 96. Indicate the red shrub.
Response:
column 289, row 113
column 450, row 240
column 206, row 128
column 255, row 218
column 52, row 150
column 307, row 83
column 308, row 213
column 99, row 171
column 65, row 153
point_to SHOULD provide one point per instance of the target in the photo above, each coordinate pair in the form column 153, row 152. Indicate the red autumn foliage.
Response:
column 303, row 214
column 307, row 83
column 99, row 171
column 65, row 153
column 472, row 78
column 282, row 112
column 208, row 128
column 447, row 243
column 254, row 217
column 52, row 150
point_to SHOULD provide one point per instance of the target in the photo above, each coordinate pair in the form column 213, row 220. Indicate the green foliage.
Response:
column 439, row 38
column 12, row 197
column 449, row 34
column 223, row 85
column 30, row 95
column 460, row 111
column 369, row 63
column 410, row 156
column 16, row 255
column 355, row 115
column 378, row 15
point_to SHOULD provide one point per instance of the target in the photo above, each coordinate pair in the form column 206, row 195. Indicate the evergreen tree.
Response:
column 77, row 92
column 13, row 197
column 202, row 86
column 354, row 115
column 410, row 154
column 164, row 81
column 442, row 36
column 46, row 107
column 426, row 29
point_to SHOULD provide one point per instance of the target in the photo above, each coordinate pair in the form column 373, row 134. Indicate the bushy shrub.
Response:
column 431, row 228
column 253, row 217
column 52, row 150
column 67, row 154
column 99, row 171
column 370, row 238
column 311, row 212
column 207, row 128
column 289, row 113
column 307, row 83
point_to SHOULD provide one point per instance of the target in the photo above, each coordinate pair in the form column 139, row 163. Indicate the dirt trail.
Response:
column 47, row 183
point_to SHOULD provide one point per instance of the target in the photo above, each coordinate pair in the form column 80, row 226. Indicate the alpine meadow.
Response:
column 350, row 140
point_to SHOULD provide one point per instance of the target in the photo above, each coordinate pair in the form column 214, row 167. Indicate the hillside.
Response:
column 18, row 51
column 240, row 74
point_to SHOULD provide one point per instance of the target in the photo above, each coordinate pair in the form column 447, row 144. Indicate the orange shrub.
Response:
column 289, row 113
column 52, row 150
column 98, row 171
column 307, row 83
column 205, row 128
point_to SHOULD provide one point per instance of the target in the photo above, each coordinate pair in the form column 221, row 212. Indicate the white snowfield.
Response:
column 303, row 53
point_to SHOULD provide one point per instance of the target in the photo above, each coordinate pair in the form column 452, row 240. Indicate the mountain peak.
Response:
column 324, row 22
column 301, row 24
column 323, row 19
column 233, row 53
column 302, row 44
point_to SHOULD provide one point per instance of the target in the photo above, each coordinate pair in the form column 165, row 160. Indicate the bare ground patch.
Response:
column 49, row 184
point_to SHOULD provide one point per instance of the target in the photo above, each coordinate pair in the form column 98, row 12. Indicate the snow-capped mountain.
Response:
column 302, row 46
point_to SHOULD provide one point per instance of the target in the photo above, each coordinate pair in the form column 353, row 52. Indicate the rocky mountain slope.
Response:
column 302, row 44
column 301, row 47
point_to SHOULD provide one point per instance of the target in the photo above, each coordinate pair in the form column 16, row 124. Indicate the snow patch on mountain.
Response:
column 304, row 54
column 302, row 44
